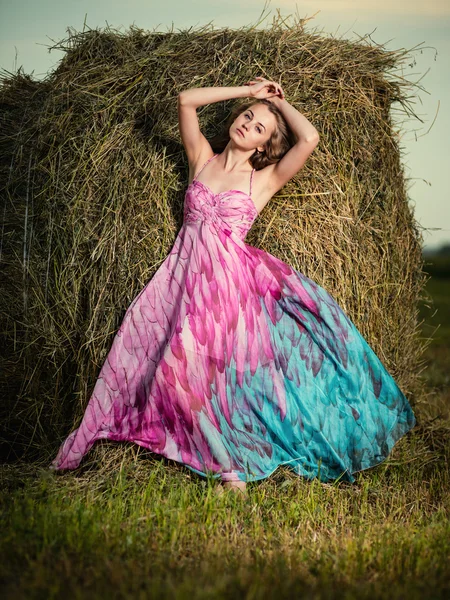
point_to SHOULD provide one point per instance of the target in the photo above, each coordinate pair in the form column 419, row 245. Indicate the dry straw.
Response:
column 93, row 181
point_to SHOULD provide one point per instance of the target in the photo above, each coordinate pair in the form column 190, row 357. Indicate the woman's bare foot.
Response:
column 239, row 487
column 236, row 486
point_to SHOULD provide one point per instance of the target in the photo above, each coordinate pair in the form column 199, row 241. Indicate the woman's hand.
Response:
column 265, row 89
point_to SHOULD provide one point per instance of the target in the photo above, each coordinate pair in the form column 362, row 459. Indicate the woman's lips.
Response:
column 239, row 131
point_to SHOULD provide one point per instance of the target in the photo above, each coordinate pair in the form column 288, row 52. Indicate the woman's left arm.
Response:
column 303, row 129
column 294, row 159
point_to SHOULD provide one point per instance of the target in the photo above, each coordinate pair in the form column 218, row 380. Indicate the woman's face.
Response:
column 257, row 124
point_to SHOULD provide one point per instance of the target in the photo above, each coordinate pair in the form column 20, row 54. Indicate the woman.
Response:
column 229, row 360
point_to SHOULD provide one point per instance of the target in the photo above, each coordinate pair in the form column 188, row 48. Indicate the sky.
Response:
column 28, row 28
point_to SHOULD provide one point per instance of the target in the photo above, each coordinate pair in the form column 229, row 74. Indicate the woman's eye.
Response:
column 258, row 129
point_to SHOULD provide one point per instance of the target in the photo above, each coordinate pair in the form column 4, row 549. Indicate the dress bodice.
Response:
column 231, row 210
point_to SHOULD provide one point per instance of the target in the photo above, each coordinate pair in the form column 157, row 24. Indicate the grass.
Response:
column 148, row 528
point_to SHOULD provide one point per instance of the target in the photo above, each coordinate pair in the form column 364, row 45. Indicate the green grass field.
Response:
column 150, row 529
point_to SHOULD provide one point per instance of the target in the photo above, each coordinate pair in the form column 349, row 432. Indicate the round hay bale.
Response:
column 94, row 175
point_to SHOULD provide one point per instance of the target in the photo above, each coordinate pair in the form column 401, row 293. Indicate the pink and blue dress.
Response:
column 233, row 363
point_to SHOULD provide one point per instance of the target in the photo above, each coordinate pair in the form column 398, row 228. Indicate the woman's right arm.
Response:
column 197, row 147
column 200, row 96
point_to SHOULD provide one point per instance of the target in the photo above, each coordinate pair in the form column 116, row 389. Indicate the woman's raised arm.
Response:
column 207, row 95
column 195, row 143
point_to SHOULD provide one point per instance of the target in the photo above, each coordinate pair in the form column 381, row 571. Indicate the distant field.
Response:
column 437, row 327
column 439, row 289
column 438, row 266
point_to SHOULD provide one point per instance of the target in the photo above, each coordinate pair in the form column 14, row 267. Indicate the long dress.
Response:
column 233, row 363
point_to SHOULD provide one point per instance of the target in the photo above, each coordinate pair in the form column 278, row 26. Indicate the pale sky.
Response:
column 28, row 27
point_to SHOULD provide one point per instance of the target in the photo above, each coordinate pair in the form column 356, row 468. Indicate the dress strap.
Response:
column 205, row 165
column 251, row 177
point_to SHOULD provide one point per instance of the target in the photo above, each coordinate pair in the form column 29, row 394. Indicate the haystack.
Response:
column 93, row 181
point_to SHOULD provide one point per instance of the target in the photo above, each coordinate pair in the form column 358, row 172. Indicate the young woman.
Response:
column 229, row 360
